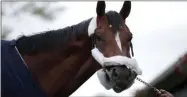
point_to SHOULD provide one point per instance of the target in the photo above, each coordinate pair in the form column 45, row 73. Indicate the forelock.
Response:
column 115, row 20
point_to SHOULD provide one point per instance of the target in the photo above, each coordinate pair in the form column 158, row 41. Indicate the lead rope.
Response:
column 148, row 85
column 140, row 80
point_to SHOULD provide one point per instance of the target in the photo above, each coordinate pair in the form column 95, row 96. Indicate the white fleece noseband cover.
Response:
column 119, row 60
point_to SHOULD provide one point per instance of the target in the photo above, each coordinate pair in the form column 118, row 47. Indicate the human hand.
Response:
column 164, row 93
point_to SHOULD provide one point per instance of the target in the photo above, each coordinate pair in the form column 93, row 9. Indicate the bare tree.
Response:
column 45, row 10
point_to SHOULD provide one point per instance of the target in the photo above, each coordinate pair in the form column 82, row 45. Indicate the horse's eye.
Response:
column 121, row 26
column 99, row 38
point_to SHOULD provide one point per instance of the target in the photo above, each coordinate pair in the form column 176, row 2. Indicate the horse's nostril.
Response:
column 114, row 72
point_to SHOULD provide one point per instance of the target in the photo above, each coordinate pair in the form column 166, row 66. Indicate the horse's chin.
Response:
column 118, row 89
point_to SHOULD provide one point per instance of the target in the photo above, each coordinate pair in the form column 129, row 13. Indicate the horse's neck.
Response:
column 64, row 71
column 85, row 72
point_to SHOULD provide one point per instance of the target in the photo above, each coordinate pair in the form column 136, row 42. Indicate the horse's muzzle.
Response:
column 120, row 77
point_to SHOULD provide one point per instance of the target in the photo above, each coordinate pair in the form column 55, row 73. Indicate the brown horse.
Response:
column 60, row 61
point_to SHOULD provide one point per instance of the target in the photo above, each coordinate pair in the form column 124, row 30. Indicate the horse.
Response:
column 56, row 63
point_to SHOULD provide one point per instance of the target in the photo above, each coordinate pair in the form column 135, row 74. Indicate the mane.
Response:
column 52, row 39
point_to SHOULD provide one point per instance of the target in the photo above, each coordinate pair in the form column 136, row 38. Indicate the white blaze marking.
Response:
column 118, row 41
column 93, row 25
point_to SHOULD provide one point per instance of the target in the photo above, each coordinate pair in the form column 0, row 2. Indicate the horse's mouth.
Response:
column 117, row 89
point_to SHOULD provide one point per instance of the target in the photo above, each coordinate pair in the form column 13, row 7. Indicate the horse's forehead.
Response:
column 115, row 20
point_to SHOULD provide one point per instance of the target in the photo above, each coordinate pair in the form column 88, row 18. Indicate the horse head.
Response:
column 111, row 46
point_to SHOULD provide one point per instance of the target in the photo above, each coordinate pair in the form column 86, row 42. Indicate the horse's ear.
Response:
column 100, row 10
column 125, row 10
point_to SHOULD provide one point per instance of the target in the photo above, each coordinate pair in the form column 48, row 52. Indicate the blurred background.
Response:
column 159, row 30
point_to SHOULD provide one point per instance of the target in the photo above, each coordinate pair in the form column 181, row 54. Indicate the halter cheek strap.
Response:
column 132, row 52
